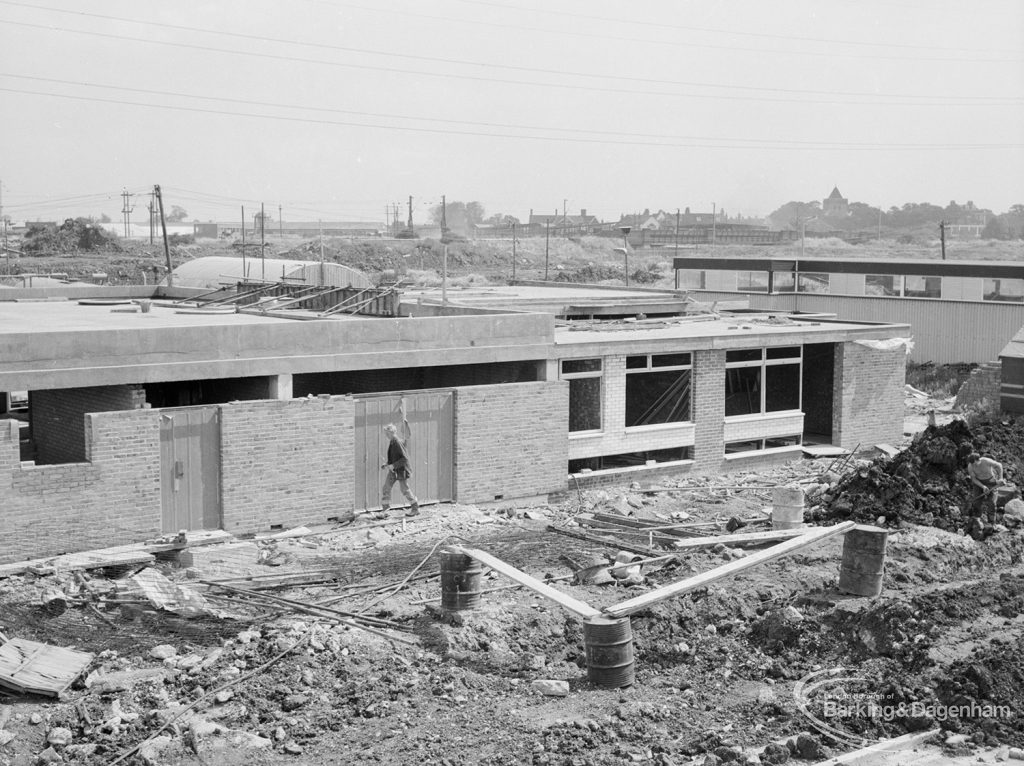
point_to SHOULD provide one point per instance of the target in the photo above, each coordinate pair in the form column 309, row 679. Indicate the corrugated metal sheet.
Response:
column 945, row 332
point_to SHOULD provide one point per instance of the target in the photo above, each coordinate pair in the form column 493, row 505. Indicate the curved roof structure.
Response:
column 215, row 270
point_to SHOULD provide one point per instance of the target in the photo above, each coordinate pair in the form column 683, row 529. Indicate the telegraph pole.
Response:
column 245, row 271
column 677, row 232
column 126, row 211
column 444, row 216
column 410, row 213
column 942, row 237
column 163, row 227
column 547, row 242
column 513, row 250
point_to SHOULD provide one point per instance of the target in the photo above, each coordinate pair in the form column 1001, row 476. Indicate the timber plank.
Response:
column 562, row 599
column 740, row 538
column 608, row 542
column 672, row 590
column 29, row 667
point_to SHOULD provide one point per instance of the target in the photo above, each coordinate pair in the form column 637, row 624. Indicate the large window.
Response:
column 882, row 284
column 783, row 281
column 759, row 380
column 752, row 281
column 1004, row 290
column 658, row 389
column 922, row 287
column 812, row 282
column 584, row 376
column 691, row 279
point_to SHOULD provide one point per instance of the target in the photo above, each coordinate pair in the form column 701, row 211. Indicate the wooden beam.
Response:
column 666, row 592
column 740, row 538
column 608, row 542
column 562, row 599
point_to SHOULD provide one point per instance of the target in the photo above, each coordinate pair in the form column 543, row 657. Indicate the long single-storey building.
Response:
column 262, row 406
column 959, row 310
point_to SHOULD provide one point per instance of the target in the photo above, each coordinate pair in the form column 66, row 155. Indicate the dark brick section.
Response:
column 287, row 462
column 511, row 440
column 114, row 499
column 58, row 418
column 709, row 410
column 868, row 395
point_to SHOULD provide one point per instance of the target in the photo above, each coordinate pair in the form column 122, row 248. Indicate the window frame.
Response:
column 762, row 364
column 651, row 368
column 583, row 375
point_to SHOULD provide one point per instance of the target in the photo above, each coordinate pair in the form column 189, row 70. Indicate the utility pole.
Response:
column 547, row 242
column 942, row 237
column 444, row 218
column 565, row 217
column 245, row 271
column 152, row 220
column 387, row 218
column 879, row 224
column 677, row 232
column 126, row 212
column 263, row 246
column 410, row 213
column 163, row 228
column 513, row 249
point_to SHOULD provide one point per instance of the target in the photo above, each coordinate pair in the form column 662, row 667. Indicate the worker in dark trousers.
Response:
column 986, row 475
column 399, row 470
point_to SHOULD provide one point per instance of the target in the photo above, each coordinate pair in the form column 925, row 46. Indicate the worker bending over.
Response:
column 986, row 474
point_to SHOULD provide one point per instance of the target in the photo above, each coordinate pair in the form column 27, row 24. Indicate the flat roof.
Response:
column 907, row 266
column 18, row 317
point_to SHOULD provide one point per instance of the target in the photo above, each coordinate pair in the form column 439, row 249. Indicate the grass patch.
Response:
column 938, row 380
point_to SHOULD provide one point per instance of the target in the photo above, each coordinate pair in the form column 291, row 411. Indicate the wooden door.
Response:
column 429, row 415
column 190, row 468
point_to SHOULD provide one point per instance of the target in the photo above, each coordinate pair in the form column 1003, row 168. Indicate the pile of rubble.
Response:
column 927, row 482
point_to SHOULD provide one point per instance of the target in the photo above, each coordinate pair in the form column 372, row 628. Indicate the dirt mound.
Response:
column 927, row 483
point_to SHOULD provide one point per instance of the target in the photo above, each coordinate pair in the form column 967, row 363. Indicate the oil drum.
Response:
column 609, row 647
column 863, row 561
column 460, row 582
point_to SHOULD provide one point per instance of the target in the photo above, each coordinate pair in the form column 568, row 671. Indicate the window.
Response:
column 658, row 389
column 690, row 279
column 812, row 282
column 1004, row 290
column 784, row 281
column 882, row 284
column 754, row 281
column 631, row 459
column 922, row 287
column 584, row 376
column 757, row 445
column 759, row 380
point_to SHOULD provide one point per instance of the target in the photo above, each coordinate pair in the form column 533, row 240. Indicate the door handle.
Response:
column 179, row 469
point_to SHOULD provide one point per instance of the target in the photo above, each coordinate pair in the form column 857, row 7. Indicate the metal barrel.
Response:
column 787, row 507
column 609, row 650
column 460, row 582
column 863, row 561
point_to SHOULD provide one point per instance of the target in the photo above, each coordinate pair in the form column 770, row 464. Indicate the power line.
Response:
column 837, row 97
column 563, row 139
column 712, row 30
column 506, row 126
column 619, row 38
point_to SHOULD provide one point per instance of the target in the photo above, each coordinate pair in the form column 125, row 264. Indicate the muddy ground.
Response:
column 719, row 672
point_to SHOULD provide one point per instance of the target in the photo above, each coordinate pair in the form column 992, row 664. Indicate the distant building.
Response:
column 564, row 224
column 835, row 204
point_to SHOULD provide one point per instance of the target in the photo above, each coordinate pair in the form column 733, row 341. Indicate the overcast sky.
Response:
column 335, row 110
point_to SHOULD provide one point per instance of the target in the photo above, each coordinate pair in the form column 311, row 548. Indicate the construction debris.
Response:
column 29, row 667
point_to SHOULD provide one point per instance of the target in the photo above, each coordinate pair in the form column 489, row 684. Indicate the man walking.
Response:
column 399, row 469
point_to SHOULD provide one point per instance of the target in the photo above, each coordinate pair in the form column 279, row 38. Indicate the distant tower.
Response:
column 835, row 204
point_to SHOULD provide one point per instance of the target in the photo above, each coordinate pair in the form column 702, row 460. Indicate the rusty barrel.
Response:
column 787, row 507
column 609, row 648
column 863, row 561
column 460, row 582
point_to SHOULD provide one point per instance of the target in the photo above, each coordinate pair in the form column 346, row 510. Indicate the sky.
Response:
column 339, row 111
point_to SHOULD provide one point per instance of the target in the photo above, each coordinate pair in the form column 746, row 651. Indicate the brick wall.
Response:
column 510, row 440
column 709, row 410
column 868, row 395
column 58, row 418
column 982, row 387
column 287, row 462
column 114, row 499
